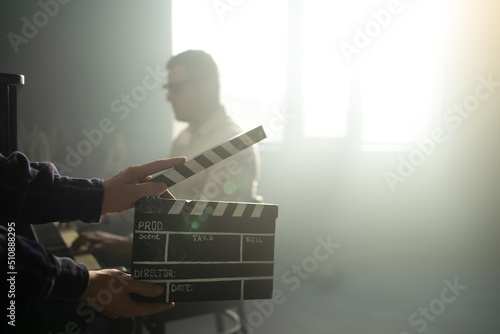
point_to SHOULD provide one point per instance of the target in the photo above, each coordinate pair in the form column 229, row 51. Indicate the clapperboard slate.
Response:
column 205, row 250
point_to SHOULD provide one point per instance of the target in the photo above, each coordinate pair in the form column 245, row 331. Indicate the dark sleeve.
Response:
column 35, row 193
column 37, row 274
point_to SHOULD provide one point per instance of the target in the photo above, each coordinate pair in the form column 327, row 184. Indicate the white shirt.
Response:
column 234, row 179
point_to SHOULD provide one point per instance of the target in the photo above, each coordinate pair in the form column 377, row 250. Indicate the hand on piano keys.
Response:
column 102, row 241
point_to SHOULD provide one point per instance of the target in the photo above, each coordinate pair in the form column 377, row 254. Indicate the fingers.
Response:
column 79, row 242
column 96, row 246
column 150, row 189
column 144, row 288
column 141, row 171
column 93, row 240
column 148, row 290
column 167, row 194
column 143, row 308
column 124, row 189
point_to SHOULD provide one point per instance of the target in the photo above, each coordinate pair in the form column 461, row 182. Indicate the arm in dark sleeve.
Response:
column 36, row 193
column 39, row 274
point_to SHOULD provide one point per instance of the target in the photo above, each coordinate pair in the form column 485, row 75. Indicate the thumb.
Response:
column 150, row 189
column 145, row 288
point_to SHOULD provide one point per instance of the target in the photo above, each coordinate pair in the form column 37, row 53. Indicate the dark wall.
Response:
column 81, row 60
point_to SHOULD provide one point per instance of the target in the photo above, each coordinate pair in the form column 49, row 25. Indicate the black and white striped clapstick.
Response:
column 210, row 157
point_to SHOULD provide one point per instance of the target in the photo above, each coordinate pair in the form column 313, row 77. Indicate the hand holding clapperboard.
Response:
column 205, row 250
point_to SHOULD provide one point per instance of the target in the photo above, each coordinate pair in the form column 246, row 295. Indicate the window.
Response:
column 368, row 69
column 248, row 40
column 371, row 63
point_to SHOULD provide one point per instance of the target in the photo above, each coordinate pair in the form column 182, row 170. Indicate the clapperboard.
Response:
column 205, row 250
column 210, row 157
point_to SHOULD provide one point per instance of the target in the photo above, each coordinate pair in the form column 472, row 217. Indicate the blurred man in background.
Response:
column 193, row 89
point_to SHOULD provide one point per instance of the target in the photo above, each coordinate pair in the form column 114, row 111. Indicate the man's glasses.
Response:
column 176, row 86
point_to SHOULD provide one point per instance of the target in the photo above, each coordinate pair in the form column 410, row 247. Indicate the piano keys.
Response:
column 59, row 239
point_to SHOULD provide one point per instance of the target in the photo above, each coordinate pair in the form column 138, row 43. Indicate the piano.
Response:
column 9, row 86
column 57, row 238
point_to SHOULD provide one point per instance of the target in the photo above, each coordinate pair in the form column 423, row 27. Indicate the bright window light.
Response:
column 396, row 72
column 326, row 76
column 386, row 93
column 400, row 75
column 248, row 40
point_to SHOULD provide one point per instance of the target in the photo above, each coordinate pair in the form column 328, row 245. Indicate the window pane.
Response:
column 248, row 42
column 395, row 68
column 399, row 76
column 326, row 76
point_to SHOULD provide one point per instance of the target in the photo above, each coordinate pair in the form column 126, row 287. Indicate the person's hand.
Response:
column 109, row 292
column 103, row 241
column 124, row 189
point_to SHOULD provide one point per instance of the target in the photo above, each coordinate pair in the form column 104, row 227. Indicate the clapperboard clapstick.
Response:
column 210, row 157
